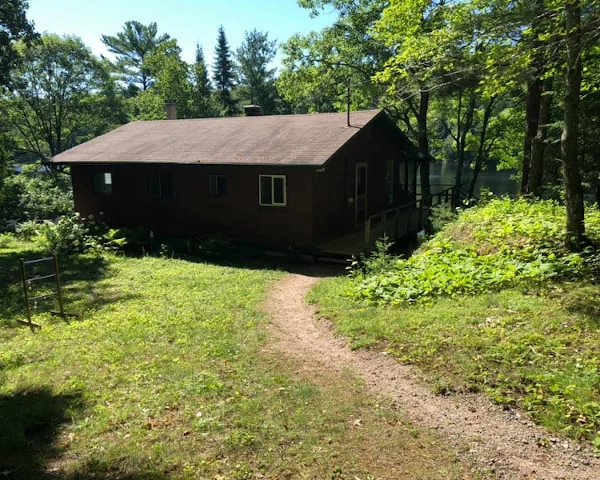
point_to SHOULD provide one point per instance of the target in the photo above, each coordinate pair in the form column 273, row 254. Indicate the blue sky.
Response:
column 189, row 21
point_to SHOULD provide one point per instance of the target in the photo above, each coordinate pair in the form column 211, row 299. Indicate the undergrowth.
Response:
column 502, row 244
column 492, row 303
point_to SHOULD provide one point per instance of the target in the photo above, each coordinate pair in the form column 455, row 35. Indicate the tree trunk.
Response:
column 481, row 151
column 570, row 160
column 538, row 144
column 465, row 128
column 534, row 94
column 532, row 111
column 423, row 141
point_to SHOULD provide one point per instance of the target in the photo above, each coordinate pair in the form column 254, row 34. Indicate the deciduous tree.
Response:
column 172, row 77
column 256, row 79
column 13, row 26
column 51, row 106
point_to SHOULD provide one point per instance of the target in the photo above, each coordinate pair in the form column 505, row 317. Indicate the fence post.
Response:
column 61, row 307
column 25, row 292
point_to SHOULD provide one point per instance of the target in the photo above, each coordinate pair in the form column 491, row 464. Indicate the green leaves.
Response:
column 131, row 46
column 51, row 106
column 500, row 245
column 254, row 75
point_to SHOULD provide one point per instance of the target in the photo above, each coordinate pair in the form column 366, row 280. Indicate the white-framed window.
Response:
column 103, row 183
column 217, row 185
column 272, row 190
column 161, row 185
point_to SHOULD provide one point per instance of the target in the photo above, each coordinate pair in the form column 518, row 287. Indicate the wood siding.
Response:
column 320, row 201
column 192, row 211
column 334, row 188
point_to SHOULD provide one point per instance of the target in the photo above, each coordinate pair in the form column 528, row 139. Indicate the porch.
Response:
column 395, row 223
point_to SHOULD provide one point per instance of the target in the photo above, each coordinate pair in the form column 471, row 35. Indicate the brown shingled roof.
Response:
column 268, row 140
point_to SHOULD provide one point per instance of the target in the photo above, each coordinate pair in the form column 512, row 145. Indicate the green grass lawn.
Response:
column 492, row 304
column 164, row 376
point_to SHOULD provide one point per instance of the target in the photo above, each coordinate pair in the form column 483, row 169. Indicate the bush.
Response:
column 442, row 215
column 36, row 194
column 72, row 233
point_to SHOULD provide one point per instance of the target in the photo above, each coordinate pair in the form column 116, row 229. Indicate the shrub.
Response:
column 72, row 233
column 36, row 194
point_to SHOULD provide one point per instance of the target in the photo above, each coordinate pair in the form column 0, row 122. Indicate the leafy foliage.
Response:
column 255, row 78
column 52, row 102
column 499, row 245
column 132, row 45
column 492, row 303
column 172, row 77
column 36, row 194
column 14, row 26
column 74, row 234
column 319, row 67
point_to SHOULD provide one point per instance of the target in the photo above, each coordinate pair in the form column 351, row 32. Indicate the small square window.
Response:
column 103, row 183
column 161, row 185
column 217, row 185
column 272, row 190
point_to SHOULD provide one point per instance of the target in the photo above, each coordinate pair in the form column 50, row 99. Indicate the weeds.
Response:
column 502, row 244
column 491, row 304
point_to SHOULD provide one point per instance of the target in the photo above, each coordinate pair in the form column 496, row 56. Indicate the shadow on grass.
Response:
column 95, row 469
column 227, row 253
column 585, row 301
column 29, row 426
column 80, row 269
column 30, row 439
column 222, row 251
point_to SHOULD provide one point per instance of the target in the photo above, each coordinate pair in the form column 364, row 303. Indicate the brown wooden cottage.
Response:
column 290, row 180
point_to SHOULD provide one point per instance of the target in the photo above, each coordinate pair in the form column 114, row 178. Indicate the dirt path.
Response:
column 503, row 441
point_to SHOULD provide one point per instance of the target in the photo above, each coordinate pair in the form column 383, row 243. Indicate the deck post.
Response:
column 367, row 233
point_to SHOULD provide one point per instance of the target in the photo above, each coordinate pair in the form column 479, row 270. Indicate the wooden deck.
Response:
column 395, row 223
column 348, row 245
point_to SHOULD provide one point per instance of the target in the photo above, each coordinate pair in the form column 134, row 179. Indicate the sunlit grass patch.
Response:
column 492, row 303
column 164, row 375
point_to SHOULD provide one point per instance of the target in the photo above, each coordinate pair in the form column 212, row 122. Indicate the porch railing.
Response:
column 405, row 219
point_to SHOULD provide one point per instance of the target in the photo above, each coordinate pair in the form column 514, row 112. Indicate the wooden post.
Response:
column 61, row 308
column 25, row 292
column 368, row 233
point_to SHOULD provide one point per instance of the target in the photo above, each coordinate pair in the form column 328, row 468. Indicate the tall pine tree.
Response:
column 223, row 75
column 201, row 102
